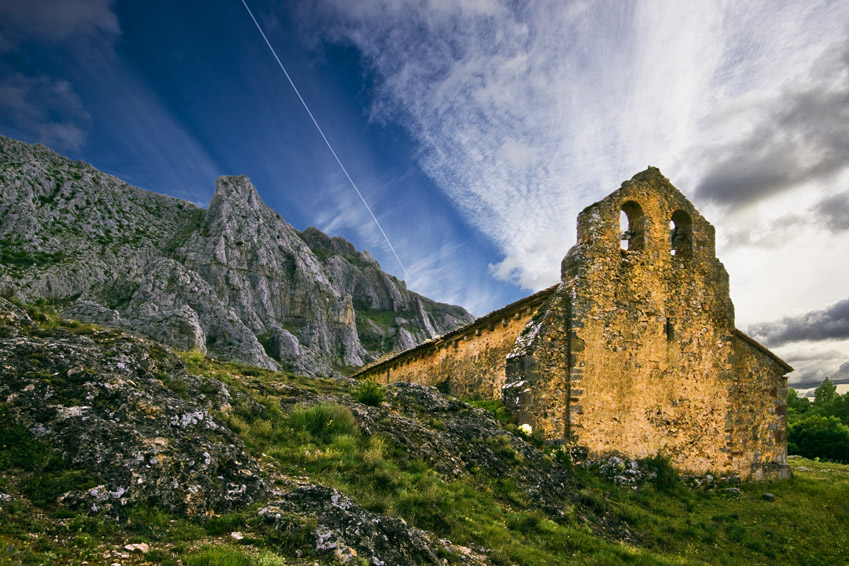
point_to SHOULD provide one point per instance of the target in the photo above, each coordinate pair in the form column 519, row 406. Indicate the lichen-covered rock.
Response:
column 226, row 280
column 102, row 401
column 348, row 533
column 93, row 313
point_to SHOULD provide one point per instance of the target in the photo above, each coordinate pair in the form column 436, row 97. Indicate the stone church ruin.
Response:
column 634, row 352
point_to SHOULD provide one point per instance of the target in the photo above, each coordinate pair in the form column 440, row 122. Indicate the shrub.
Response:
column 667, row 475
column 323, row 421
column 218, row 556
column 819, row 437
column 370, row 392
column 262, row 428
column 44, row 490
column 494, row 407
column 230, row 556
column 18, row 449
column 193, row 358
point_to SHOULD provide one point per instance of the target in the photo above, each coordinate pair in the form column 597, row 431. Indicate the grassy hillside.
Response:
column 487, row 500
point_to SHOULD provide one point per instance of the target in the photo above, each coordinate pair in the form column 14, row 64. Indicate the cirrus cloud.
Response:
column 55, row 21
column 526, row 113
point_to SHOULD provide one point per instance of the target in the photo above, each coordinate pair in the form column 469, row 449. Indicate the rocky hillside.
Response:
column 99, row 423
column 235, row 280
column 116, row 450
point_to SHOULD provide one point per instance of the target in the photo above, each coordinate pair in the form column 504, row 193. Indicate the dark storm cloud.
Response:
column 803, row 137
column 814, row 377
column 829, row 324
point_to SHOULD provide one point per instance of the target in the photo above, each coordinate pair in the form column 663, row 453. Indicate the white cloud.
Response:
column 55, row 21
column 50, row 109
column 526, row 114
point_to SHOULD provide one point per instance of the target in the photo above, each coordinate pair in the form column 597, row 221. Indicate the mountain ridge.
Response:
column 234, row 279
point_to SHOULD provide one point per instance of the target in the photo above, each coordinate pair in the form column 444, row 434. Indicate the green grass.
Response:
column 231, row 556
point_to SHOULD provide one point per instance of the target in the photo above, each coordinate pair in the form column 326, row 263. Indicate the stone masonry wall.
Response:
column 634, row 352
column 467, row 363
column 650, row 349
column 757, row 423
column 537, row 389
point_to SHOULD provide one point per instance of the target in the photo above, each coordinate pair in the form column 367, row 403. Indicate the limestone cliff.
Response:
column 235, row 280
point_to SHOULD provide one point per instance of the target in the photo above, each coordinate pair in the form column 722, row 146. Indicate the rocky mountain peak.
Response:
column 235, row 280
column 234, row 196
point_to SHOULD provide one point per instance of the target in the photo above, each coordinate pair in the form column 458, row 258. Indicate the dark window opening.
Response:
column 632, row 222
column 670, row 331
column 681, row 234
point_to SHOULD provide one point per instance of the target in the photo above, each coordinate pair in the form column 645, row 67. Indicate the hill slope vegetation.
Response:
column 115, row 449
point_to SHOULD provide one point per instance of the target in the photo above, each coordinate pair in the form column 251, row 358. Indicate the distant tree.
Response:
column 838, row 407
column 817, row 436
column 796, row 406
column 825, row 393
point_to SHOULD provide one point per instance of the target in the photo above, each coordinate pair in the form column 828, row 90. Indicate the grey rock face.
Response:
column 235, row 280
column 94, row 313
column 347, row 532
column 259, row 267
column 101, row 399
column 178, row 307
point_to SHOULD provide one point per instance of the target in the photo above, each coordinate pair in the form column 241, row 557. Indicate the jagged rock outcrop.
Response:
column 259, row 266
column 235, row 280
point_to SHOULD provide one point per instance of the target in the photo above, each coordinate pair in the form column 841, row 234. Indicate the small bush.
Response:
column 231, row 556
column 218, row 556
column 667, row 475
column 819, row 437
column 494, row 407
column 18, row 449
column 224, row 524
column 193, row 358
column 370, row 392
column 46, row 489
column 324, row 421
column 262, row 428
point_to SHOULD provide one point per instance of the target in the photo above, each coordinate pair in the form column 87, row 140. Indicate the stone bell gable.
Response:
column 635, row 351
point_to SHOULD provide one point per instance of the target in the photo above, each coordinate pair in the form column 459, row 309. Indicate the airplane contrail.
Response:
column 326, row 141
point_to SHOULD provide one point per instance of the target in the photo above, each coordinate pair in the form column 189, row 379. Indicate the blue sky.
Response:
column 476, row 129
